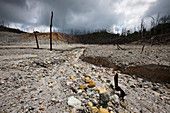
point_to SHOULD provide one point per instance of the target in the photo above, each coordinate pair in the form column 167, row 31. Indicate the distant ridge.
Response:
column 3, row 28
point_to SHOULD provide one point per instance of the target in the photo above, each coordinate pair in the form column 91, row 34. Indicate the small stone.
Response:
column 115, row 98
column 69, row 83
column 79, row 91
column 73, row 78
column 108, row 81
column 132, row 86
column 94, row 110
column 42, row 108
column 87, row 80
column 52, row 84
column 104, row 99
column 72, row 101
column 149, row 108
column 39, row 76
column 91, row 84
column 140, row 85
column 99, row 76
column 155, row 88
column 87, row 75
column 90, row 104
column 102, row 110
column 123, row 104
column 109, row 108
column 95, row 102
column 55, row 100
column 106, row 86
column 13, row 105
column 146, row 86
column 101, row 90
column 82, row 87
column 73, row 110
column 112, row 106
column 24, row 89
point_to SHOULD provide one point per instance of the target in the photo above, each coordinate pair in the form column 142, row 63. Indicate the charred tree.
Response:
column 122, row 93
column 51, row 31
column 36, row 40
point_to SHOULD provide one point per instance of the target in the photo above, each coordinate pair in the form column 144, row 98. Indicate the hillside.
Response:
column 6, row 29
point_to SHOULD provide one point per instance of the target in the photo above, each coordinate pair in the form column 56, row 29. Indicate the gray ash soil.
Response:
column 33, row 80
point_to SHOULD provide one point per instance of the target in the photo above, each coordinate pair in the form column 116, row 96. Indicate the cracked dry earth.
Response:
column 33, row 80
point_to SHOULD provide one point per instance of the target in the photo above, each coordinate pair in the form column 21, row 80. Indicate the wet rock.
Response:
column 74, row 102
column 102, row 110
column 104, row 99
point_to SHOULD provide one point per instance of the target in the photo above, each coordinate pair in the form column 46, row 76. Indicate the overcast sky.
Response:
column 80, row 14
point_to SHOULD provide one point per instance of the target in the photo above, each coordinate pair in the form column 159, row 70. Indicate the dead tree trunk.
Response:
column 120, row 48
column 142, row 48
column 36, row 40
column 51, row 31
column 122, row 93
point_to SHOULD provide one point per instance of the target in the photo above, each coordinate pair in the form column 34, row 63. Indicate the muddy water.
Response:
column 152, row 72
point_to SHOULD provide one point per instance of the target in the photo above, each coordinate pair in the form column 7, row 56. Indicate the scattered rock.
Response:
column 90, row 104
column 155, row 88
column 42, row 108
column 73, row 78
column 52, row 84
column 132, row 86
column 87, row 80
column 74, row 102
column 123, row 104
column 102, row 110
column 104, row 99
column 94, row 110
column 73, row 110
column 101, row 90
column 91, row 84
column 83, row 87
column 112, row 106
column 115, row 98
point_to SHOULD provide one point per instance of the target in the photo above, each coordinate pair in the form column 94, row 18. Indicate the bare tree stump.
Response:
column 51, row 31
column 36, row 40
column 143, row 48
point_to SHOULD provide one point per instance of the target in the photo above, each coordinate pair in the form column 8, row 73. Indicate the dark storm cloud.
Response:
column 18, row 11
column 80, row 14
column 161, row 7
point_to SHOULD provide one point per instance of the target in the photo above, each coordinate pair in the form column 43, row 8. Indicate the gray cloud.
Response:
column 79, row 14
column 161, row 7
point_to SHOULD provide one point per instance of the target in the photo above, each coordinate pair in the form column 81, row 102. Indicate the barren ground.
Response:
column 39, row 80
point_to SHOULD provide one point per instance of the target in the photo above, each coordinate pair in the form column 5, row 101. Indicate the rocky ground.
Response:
column 58, row 81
